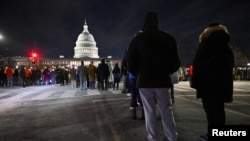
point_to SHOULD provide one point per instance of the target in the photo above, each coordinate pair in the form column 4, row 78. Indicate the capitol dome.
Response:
column 85, row 44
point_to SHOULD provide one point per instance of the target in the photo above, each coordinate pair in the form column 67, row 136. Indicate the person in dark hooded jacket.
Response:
column 213, row 72
column 103, row 74
column 152, row 57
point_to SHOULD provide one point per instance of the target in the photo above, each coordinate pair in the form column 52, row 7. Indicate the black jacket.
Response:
column 153, row 55
column 213, row 65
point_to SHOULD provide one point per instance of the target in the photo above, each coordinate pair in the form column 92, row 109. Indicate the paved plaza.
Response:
column 62, row 113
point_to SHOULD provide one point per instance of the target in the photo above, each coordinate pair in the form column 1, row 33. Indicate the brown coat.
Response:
column 92, row 72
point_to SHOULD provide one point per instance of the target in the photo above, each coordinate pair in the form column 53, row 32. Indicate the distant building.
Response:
column 86, row 44
column 19, row 61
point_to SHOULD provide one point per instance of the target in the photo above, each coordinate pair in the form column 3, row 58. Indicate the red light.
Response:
column 190, row 71
column 34, row 54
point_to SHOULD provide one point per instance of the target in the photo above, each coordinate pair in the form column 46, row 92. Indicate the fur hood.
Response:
column 209, row 30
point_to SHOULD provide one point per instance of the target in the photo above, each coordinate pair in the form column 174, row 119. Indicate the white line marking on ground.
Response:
column 238, row 113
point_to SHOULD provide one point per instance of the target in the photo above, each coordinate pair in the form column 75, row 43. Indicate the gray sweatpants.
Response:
column 149, row 97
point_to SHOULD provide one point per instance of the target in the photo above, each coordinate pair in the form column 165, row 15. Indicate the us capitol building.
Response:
column 85, row 50
column 85, row 44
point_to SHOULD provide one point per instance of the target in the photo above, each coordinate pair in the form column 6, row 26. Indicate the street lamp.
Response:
column 1, row 61
column 1, row 36
column 5, row 52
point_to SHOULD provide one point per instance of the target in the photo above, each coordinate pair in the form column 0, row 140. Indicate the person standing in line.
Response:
column 92, row 75
column 46, row 76
column 87, row 75
column 37, row 76
column 147, row 55
column 213, row 59
column 135, row 95
column 82, row 71
column 3, row 79
column 111, row 76
column 66, row 75
column 175, row 79
column 15, row 77
column 28, row 74
column 58, row 75
column 23, row 76
column 73, row 77
column 62, row 75
column 124, row 73
column 53, row 76
column 103, row 74
column 117, row 75
column 9, row 71
column 135, row 98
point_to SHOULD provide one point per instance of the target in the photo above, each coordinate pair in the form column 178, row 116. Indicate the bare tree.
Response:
column 240, row 58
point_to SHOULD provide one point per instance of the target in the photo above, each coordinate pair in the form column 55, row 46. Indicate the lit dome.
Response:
column 85, row 44
column 86, row 36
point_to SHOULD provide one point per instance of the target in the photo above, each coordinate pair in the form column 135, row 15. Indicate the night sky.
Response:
column 51, row 27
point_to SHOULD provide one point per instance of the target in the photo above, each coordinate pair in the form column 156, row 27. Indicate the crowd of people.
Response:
column 29, row 76
column 105, row 74
column 60, row 75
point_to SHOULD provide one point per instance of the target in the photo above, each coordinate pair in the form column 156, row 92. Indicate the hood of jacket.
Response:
column 151, row 22
column 217, row 31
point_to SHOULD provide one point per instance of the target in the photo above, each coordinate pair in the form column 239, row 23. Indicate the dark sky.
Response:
column 52, row 26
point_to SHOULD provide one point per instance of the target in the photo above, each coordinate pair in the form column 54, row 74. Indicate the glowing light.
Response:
column 34, row 55
column 1, row 36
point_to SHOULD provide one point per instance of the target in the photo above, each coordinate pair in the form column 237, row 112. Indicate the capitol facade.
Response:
column 86, row 44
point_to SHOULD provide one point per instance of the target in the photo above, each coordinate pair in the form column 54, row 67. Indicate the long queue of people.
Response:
column 93, row 76
column 239, row 73
column 29, row 76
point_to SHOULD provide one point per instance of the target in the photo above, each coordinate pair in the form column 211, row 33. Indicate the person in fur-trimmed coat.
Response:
column 213, row 72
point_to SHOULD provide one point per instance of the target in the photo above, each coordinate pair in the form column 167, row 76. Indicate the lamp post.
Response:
column 4, row 52
column 1, row 61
